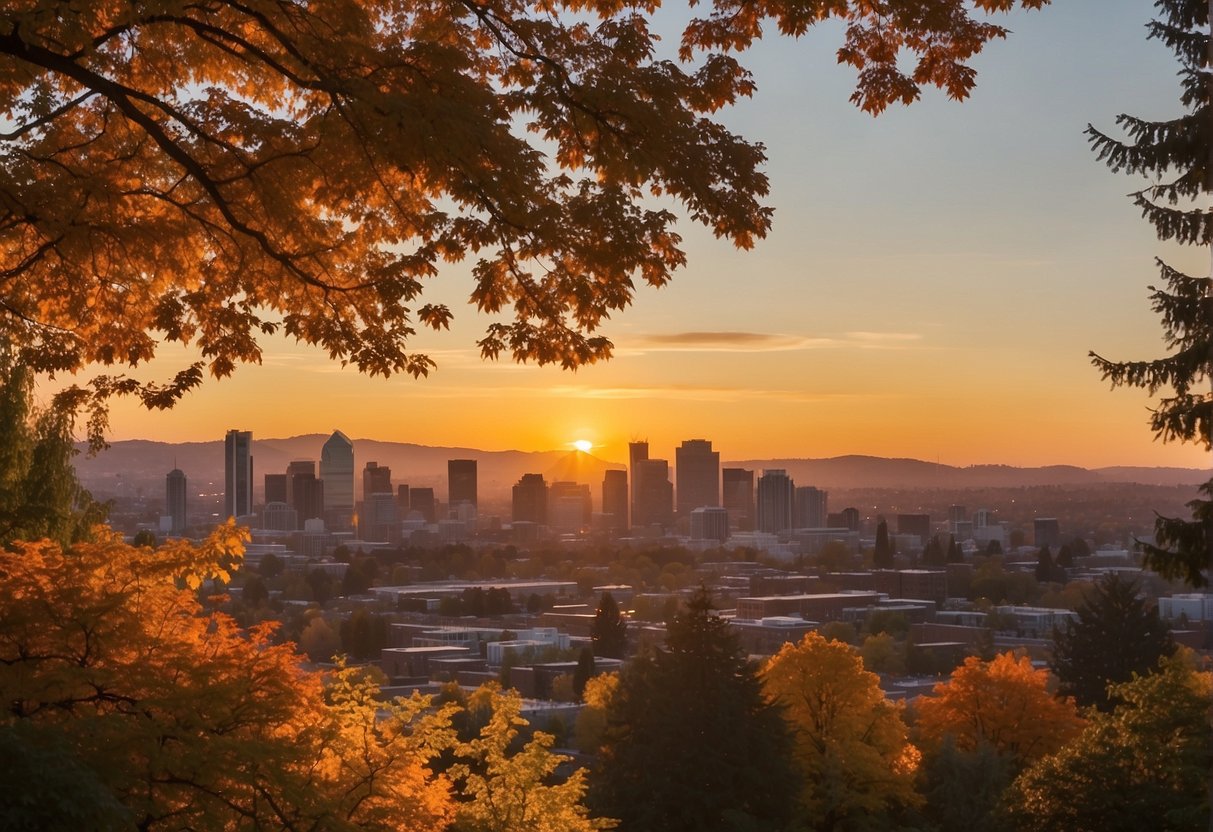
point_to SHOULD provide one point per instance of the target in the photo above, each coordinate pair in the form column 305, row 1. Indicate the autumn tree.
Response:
column 1004, row 704
column 882, row 555
column 691, row 743
column 1144, row 765
column 609, row 632
column 509, row 791
column 176, row 718
column 1115, row 636
column 1175, row 154
column 210, row 173
column 856, row 765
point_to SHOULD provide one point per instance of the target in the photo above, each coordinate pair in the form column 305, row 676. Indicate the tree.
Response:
column 176, row 718
column 955, row 555
column 856, row 764
column 881, row 653
column 1144, row 765
column 1176, row 154
column 592, row 719
column 1004, row 704
column 1045, row 568
column 691, row 743
column 933, row 553
column 963, row 790
column 609, row 632
column 511, row 792
column 1114, row 637
column 583, row 673
column 882, row 555
column 208, row 174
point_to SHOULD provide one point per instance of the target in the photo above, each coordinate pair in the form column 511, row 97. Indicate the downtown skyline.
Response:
column 932, row 285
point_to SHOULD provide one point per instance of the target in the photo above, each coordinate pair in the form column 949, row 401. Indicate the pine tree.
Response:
column 1115, row 638
column 882, row 556
column 691, row 742
column 609, row 632
column 1045, row 566
column 954, row 553
column 1177, row 154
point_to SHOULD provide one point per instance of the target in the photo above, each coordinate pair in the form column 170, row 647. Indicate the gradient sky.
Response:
column 932, row 285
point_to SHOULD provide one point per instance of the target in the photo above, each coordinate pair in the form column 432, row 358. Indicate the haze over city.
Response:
column 933, row 282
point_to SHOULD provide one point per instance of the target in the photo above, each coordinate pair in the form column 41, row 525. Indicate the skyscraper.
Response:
column 275, row 488
column 461, row 481
column 570, row 506
column 238, row 473
column 376, row 479
column 337, row 473
column 298, row 466
column 776, row 500
column 697, row 470
column 638, row 452
column 811, row 507
column 531, row 500
column 307, row 497
column 615, row 499
column 654, row 494
column 738, row 488
column 174, row 500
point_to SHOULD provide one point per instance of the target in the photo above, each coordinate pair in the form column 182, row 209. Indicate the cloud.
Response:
column 704, row 393
column 883, row 340
column 727, row 342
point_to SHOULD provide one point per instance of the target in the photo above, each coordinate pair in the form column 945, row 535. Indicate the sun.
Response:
column 583, row 445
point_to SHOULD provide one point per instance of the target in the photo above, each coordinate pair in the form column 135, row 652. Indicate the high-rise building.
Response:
column 337, row 472
column 531, row 500
column 238, row 473
column 275, row 488
column 615, row 499
column 654, row 494
column 421, row 500
column 848, row 518
column 738, row 488
column 174, row 500
column 638, row 452
column 811, row 507
column 298, row 466
column 376, row 479
column 379, row 521
column 1047, row 532
column 776, row 500
column 307, row 497
column 461, row 481
column 710, row 523
column 570, row 506
column 404, row 503
column 697, row 471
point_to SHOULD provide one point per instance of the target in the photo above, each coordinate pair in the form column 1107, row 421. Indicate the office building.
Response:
column 918, row 525
column 1047, row 532
column 461, row 481
column 296, row 467
column 379, row 521
column 238, row 473
column 421, row 500
column 638, row 452
column 615, row 499
column 776, row 501
column 174, row 501
column 307, row 497
column 811, row 511
column 376, row 479
column 697, row 475
column 654, row 494
column 738, row 497
column 337, row 472
column 710, row 523
column 570, row 507
column 404, row 503
column 531, row 500
column 848, row 519
column 275, row 488
column 277, row 516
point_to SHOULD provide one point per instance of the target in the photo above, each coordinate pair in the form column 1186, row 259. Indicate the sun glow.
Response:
column 583, row 445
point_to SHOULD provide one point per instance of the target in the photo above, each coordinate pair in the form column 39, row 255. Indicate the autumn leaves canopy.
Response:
column 211, row 172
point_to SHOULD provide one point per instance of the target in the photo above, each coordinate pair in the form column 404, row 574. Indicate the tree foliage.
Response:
column 882, row 555
column 1004, row 704
column 691, row 743
column 209, row 173
column 108, row 662
column 857, row 766
column 1145, row 765
column 1175, row 154
column 1116, row 636
column 609, row 632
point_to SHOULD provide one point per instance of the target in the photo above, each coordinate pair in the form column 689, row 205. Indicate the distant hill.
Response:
column 143, row 464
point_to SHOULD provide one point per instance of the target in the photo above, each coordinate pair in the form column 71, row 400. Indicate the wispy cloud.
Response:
column 741, row 342
column 704, row 393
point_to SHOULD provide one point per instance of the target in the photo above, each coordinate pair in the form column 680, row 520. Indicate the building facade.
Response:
column 697, row 475
column 337, row 472
column 238, row 473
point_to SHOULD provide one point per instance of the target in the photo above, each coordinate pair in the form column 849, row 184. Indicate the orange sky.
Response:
column 931, row 288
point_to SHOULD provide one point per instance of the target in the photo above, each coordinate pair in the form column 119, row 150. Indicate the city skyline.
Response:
column 932, row 285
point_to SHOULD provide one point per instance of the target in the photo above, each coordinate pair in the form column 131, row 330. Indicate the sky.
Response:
column 931, row 288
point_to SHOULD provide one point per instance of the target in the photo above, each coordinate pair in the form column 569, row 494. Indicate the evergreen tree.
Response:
column 882, row 556
column 691, row 743
column 1176, row 153
column 954, row 553
column 933, row 554
column 584, row 671
column 1045, row 567
column 609, row 632
column 1115, row 637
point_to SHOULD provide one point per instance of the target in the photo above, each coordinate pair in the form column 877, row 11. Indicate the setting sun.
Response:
column 583, row 445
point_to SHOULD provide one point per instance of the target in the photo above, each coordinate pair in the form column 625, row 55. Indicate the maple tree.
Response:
column 856, row 763
column 210, row 172
column 1004, row 704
